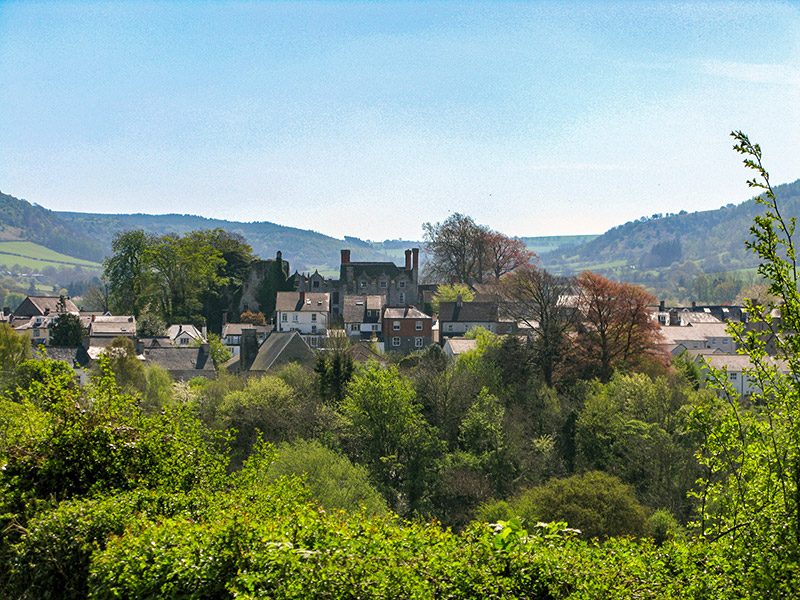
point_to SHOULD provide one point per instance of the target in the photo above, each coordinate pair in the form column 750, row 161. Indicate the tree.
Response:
column 128, row 272
column 253, row 318
column 615, row 327
column 456, row 249
column 750, row 494
column 505, row 254
column 450, row 292
column 128, row 370
column 66, row 330
column 14, row 348
column 389, row 435
column 541, row 301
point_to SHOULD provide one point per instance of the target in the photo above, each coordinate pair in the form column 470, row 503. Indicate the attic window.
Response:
column 359, row 303
column 308, row 301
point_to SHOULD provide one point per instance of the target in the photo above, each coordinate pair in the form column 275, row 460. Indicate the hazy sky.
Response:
column 367, row 118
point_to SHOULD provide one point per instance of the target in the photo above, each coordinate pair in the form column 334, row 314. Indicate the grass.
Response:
column 34, row 256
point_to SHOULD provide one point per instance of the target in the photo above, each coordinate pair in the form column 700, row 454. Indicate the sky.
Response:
column 370, row 118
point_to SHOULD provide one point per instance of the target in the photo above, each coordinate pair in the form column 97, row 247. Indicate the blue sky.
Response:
column 368, row 119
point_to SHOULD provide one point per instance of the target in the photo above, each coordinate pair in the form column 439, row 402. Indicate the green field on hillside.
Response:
column 34, row 256
column 548, row 243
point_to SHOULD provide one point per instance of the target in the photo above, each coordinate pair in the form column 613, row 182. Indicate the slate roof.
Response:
column 236, row 328
column 175, row 331
column 354, row 308
column 34, row 306
column 468, row 312
column 280, row 348
column 372, row 270
column 303, row 302
column 459, row 346
column 741, row 362
column 113, row 326
column 74, row 356
column 177, row 358
column 404, row 312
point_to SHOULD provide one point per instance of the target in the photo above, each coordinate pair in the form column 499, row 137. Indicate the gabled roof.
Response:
column 741, row 362
column 41, row 305
column 459, row 345
column 175, row 331
column 468, row 312
column 303, row 302
column 404, row 312
column 280, row 348
column 354, row 307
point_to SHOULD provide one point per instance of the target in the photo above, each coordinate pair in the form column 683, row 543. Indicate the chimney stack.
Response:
column 249, row 349
column 661, row 306
column 415, row 254
column 345, row 257
column 408, row 260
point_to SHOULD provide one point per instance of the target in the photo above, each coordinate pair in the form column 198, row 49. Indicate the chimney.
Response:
column 204, row 332
column 661, row 306
column 408, row 260
column 224, row 318
column 249, row 349
column 694, row 304
column 415, row 254
column 345, row 257
column 458, row 301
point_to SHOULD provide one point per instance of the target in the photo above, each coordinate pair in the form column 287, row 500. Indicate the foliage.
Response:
column 334, row 369
column 615, row 328
column 537, row 298
column 128, row 370
column 333, row 481
column 597, row 504
column 750, row 493
column 253, row 318
column 471, row 253
column 150, row 324
column 14, row 347
column 388, row 434
column 449, row 292
column 66, row 330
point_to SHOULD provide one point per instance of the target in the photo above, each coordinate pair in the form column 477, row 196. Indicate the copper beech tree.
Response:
column 615, row 327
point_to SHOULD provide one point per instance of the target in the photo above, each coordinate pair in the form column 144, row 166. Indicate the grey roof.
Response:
column 180, row 358
column 75, row 356
column 372, row 270
column 468, row 312
column 174, row 331
column 741, row 362
column 303, row 301
column 404, row 312
column 280, row 348
column 113, row 326
column 354, row 308
column 236, row 328
column 459, row 345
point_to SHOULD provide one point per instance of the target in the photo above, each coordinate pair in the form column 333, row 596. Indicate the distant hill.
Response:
column 711, row 240
column 22, row 221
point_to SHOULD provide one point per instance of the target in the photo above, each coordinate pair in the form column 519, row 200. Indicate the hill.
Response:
column 659, row 250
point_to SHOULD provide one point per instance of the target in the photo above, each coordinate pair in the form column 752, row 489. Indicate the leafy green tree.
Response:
column 150, row 324
column 14, row 348
column 334, row 482
column 128, row 272
column 597, row 504
column 66, row 330
column 334, row 369
column 449, row 292
column 128, row 370
column 387, row 433
column 750, row 495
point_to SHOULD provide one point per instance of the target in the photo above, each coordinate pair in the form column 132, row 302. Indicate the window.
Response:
column 733, row 376
column 313, row 329
column 184, row 341
column 449, row 327
column 35, row 333
column 395, row 341
column 402, row 284
column 313, row 317
column 315, row 284
column 312, row 342
column 396, row 325
column 375, row 327
column 383, row 284
column 419, row 325
column 418, row 342
column 284, row 317
column 402, row 298
column 294, row 318
column 362, row 283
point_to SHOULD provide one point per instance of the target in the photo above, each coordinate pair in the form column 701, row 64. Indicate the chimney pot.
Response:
column 408, row 260
column 415, row 254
